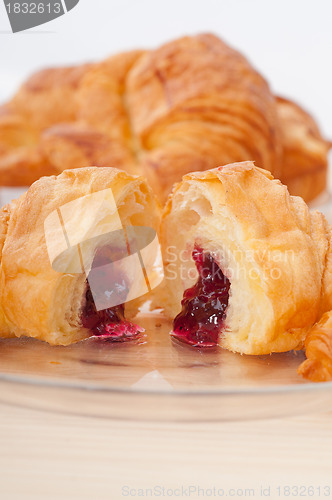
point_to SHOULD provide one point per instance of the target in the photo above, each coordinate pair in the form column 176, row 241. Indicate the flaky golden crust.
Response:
column 304, row 165
column 49, row 96
column 318, row 348
column 21, row 167
column 190, row 105
column 15, row 133
column 195, row 104
column 35, row 299
column 66, row 135
column 272, row 249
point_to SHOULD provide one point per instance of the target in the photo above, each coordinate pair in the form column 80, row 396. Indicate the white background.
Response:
column 290, row 42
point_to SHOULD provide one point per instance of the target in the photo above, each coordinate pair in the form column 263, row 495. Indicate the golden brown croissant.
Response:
column 304, row 165
column 318, row 347
column 190, row 105
column 263, row 261
column 57, row 245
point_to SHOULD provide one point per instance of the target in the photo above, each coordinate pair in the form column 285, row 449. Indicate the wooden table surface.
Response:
column 54, row 456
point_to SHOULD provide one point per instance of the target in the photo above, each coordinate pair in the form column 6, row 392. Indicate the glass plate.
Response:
column 155, row 378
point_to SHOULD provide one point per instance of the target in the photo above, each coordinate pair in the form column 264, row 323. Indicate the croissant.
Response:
column 304, row 165
column 64, row 243
column 318, row 346
column 247, row 265
column 190, row 105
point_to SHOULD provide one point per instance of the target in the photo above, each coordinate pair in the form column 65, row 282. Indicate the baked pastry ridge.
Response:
column 262, row 274
column 44, row 292
column 318, row 347
column 304, row 165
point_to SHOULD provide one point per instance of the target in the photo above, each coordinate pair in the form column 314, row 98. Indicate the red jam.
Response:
column 204, row 305
column 110, row 322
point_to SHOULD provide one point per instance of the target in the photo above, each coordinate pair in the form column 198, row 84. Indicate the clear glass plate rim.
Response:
column 77, row 385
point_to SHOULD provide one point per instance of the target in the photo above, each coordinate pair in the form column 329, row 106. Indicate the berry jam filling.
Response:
column 204, row 305
column 108, row 322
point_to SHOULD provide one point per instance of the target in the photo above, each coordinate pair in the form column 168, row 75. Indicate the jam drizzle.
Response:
column 110, row 322
column 203, row 305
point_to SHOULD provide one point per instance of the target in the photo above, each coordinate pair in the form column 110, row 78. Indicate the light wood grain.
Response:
column 54, row 456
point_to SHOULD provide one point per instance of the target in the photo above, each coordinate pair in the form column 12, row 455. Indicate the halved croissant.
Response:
column 190, row 105
column 263, row 261
column 49, row 240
